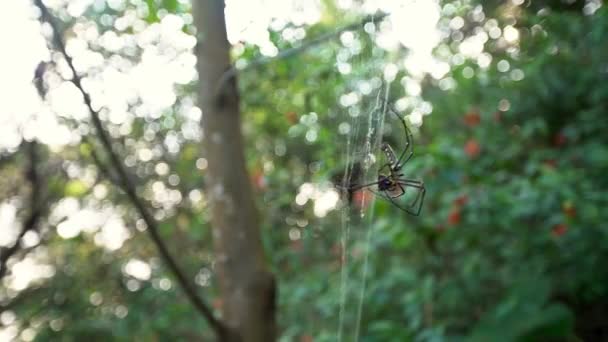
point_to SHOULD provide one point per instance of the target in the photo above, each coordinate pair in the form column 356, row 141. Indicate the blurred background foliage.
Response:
column 510, row 245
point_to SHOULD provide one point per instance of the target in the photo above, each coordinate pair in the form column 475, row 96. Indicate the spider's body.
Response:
column 386, row 183
column 390, row 155
column 391, row 184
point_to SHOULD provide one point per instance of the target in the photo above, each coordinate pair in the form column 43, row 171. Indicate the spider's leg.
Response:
column 361, row 186
column 419, row 200
column 358, row 187
column 421, row 190
column 411, row 182
column 421, row 194
column 409, row 143
column 388, row 198
column 408, row 210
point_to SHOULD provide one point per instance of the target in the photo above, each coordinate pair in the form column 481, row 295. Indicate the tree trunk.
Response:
column 247, row 287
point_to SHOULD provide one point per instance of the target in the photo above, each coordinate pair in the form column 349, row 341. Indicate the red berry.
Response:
column 559, row 230
column 472, row 118
column 306, row 338
column 569, row 209
column 472, row 148
column 559, row 140
column 454, row 217
column 550, row 163
column 461, row 200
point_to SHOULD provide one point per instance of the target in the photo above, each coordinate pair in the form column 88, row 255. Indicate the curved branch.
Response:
column 31, row 223
column 128, row 187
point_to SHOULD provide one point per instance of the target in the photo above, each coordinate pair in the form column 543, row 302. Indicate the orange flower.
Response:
column 559, row 230
column 472, row 148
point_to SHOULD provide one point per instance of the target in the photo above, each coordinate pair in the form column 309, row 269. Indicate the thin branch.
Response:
column 24, row 295
column 232, row 72
column 103, row 169
column 31, row 223
column 9, row 157
column 128, row 187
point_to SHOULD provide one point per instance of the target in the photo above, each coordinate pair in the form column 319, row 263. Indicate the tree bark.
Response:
column 247, row 287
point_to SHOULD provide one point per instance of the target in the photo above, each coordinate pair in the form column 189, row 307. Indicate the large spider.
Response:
column 391, row 183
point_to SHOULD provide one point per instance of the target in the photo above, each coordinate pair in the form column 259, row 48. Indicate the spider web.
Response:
column 356, row 226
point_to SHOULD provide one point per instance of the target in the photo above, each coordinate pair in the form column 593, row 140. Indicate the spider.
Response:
column 391, row 183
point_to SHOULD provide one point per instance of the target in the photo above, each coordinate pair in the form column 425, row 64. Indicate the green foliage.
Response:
column 510, row 240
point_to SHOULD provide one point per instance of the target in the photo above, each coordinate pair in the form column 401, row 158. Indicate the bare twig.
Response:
column 19, row 298
column 128, row 187
column 31, row 222
column 232, row 72
column 9, row 157
column 103, row 169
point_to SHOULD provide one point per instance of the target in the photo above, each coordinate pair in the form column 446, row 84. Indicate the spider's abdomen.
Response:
column 391, row 188
column 385, row 183
column 396, row 191
column 389, row 153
